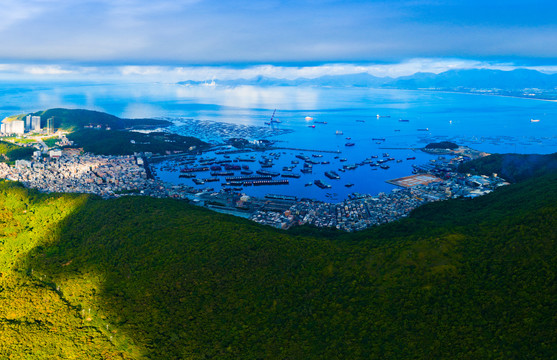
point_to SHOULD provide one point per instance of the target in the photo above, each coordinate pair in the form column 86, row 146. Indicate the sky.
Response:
column 147, row 38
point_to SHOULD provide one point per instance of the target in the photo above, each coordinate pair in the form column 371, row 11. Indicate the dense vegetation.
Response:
column 512, row 167
column 442, row 145
column 74, row 119
column 115, row 142
column 9, row 152
column 134, row 277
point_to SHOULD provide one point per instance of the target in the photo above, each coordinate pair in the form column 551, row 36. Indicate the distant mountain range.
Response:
column 459, row 80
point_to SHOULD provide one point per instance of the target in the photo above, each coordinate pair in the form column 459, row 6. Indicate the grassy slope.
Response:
column 460, row 279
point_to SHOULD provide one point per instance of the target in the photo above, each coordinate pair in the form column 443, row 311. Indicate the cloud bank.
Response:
column 203, row 32
column 172, row 74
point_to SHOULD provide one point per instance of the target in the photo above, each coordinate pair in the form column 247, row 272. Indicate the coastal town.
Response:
column 71, row 170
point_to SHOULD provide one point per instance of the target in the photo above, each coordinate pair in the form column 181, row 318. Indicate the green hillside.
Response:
column 114, row 142
column 9, row 152
column 74, row 119
column 513, row 167
column 136, row 277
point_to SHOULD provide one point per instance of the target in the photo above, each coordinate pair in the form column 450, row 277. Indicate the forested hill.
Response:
column 137, row 277
column 512, row 167
column 75, row 119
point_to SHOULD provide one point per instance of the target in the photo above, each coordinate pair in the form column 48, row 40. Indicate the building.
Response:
column 28, row 123
column 55, row 153
column 12, row 126
column 35, row 123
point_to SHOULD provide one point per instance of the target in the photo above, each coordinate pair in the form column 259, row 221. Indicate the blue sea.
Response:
column 487, row 123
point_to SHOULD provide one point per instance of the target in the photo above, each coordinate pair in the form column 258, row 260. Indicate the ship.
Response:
column 403, row 120
column 349, row 144
column 424, row 129
column 348, row 185
column 267, row 173
column 411, row 158
column 338, row 132
column 294, row 176
column 332, row 175
column 322, row 184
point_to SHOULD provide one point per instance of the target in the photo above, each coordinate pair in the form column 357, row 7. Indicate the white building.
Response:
column 35, row 123
column 32, row 123
column 12, row 126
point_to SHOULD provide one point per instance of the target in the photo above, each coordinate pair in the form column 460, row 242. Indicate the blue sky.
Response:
column 70, row 36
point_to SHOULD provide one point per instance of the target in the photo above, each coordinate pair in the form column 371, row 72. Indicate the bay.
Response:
column 486, row 123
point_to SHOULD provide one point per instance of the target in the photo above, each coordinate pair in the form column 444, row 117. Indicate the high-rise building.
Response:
column 13, row 126
column 35, row 123
column 28, row 120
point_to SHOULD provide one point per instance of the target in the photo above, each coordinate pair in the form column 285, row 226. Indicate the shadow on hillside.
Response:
column 169, row 280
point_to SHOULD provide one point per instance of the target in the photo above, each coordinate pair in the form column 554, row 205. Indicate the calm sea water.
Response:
column 488, row 123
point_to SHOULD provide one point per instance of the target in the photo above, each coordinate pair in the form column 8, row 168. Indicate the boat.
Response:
column 348, row 185
column 308, row 184
column 349, row 144
column 424, row 129
column 411, row 158
column 322, row 184
column 294, row 176
column 246, row 172
column 338, row 132
column 378, row 139
column 320, row 122
column 384, row 167
column 332, row 175
column 311, row 126
column 403, row 120
column 362, row 121
column 348, row 138
column 267, row 173
column 534, row 120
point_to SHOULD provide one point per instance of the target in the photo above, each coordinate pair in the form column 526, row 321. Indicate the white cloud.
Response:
column 173, row 74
